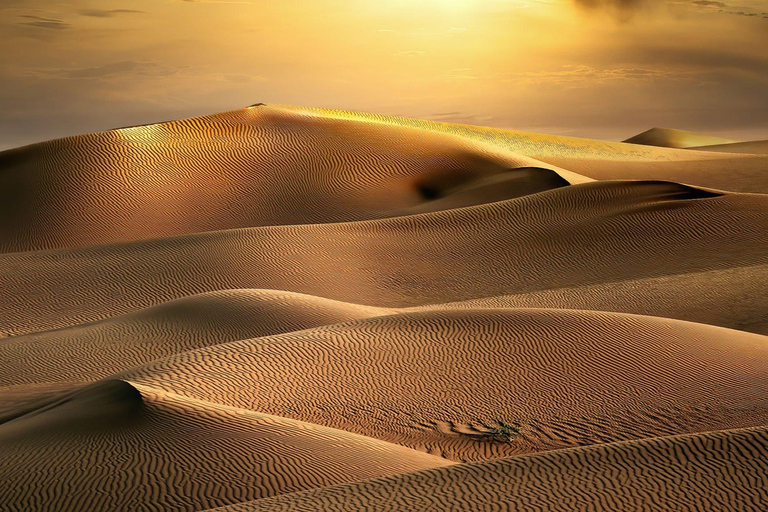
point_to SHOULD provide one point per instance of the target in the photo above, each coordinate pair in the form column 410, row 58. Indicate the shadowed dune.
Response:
column 118, row 446
column 440, row 381
column 723, row 471
column 671, row 138
column 571, row 236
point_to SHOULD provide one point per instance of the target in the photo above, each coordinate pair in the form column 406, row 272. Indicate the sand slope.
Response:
column 244, row 168
column 118, row 446
column 97, row 350
column 438, row 380
column 251, row 167
column 714, row 471
column 603, row 160
column 756, row 147
column 571, row 236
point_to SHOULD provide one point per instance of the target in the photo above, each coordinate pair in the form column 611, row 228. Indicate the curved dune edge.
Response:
column 726, row 298
column 95, row 351
column 481, row 369
column 539, row 144
column 165, row 451
column 597, row 159
column 246, row 168
column 572, row 236
column 723, row 470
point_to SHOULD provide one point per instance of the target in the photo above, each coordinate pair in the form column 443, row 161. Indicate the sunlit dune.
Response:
column 671, row 138
column 293, row 308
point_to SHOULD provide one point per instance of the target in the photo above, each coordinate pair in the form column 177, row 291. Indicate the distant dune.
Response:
column 671, row 138
column 757, row 147
column 290, row 308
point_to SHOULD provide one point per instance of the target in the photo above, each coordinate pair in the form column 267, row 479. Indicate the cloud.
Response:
column 111, row 70
column 411, row 53
column 707, row 3
column 41, row 22
column 576, row 75
column 622, row 9
column 242, row 79
column 99, row 13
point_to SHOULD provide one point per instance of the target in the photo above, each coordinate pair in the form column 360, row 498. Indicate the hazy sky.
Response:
column 594, row 68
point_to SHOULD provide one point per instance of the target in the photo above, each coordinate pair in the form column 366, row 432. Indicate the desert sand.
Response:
column 291, row 308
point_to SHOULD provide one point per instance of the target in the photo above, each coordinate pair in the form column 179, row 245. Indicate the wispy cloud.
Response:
column 42, row 22
column 100, row 13
column 578, row 75
column 111, row 70
column 412, row 53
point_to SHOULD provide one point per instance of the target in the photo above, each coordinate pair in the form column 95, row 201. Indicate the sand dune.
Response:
column 571, row 236
column 441, row 381
column 255, row 165
column 714, row 471
column 730, row 298
column 241, row 169
column 602, row 160
column 97, row 350
column 756, row 147
column 289, row 308
column 118, row 446
column 671, row 138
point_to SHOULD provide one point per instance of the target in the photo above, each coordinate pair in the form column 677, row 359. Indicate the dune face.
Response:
column 164, row 451
column 532, row 368
column 238, row 169
column 289, row 308
column 671, row 138
column 571, row 236
column 714, row 471
column 757, row 147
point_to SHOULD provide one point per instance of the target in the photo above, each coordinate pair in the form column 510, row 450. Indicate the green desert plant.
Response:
column 502, row 432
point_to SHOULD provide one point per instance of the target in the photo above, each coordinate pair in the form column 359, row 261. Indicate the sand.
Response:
column 290, row 308
column 671, row 138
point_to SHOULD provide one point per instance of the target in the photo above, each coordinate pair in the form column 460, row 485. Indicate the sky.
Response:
column 593, row 68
